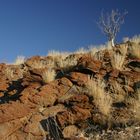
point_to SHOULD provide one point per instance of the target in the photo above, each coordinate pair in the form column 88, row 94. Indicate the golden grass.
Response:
column 43, row 64
column 117, row 60
column 118, row 92
column 135, row 50
column 38, row 65
column 19, row 60
column 135, row 47
column 81, row 51
column 92, row 51
column 102, row 100
column 135, row 39
column 57, row 54
column 49, row 75
column 67, row 63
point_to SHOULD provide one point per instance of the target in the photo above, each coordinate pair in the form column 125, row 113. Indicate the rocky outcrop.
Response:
column 65, row 108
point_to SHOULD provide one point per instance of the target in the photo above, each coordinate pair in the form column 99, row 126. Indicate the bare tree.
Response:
column 110, row 24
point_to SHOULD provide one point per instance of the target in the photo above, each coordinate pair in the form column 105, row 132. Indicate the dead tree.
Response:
column 110, row 23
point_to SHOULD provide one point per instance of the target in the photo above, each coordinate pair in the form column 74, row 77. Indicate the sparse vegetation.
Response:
column 135, row 39
column 134, row 47
column 49, row 75
column 102, row 100
column 19, row 60
column 135, row 50
column 57, row 54
column 118, row 59
column 90, row 99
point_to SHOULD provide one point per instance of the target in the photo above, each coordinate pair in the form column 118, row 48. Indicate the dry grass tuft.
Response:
column 49, row 75
column 118, row 59
column 19, row 60
column 135, row 47
column 43, row 64
column 38, row 65
column 102, row 100
column 92, row 51
column 67, row 63
column 118, row 92
column 57, row 54
column 135, row 39
column 135, row 50
column 81, row 51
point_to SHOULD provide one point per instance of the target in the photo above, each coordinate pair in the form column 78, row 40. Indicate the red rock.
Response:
column 72, row 116
column 78, row 78
column 34, row 125
column 19, row 135
column 4, row 85
column 130, row 76
column 70, row 131
column 31, row 78
column 102, row 72
column 43, row 98
column 53, row 110
column 49, row 93
column 58, row 87
column 114, row 73
column 87, row 62
column 1, row 94
column 13, row 110
column 77, row 138
column 8, row 128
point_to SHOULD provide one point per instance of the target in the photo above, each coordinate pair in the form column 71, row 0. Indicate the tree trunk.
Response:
column 112, row 42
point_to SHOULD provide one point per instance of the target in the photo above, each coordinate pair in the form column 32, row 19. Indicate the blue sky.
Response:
column 33, row 27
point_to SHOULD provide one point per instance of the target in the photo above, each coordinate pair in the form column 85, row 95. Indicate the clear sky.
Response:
column 32, row 27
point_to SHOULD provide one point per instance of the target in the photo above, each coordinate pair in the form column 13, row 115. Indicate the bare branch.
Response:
column 110, row 23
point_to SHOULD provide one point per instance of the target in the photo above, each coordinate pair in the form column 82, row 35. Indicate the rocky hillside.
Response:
column 79, row 96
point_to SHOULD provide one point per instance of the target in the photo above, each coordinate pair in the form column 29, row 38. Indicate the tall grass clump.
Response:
column 101, row 99
column 48, row 75
column 118, row 58
column 19, row 60
column 134, row 48
column 81, row 51
column 135, row 39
